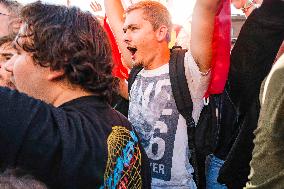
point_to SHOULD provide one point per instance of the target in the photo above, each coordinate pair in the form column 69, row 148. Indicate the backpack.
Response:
column 203, row 137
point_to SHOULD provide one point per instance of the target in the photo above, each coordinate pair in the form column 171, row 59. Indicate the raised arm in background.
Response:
column 114, row 11
column 202, row 29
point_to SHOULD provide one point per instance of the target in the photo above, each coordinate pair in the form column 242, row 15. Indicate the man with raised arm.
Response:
column 145, row 32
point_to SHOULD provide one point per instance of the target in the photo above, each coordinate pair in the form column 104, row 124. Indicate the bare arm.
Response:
column 114, row 11
column 202, row 32
column 123, row 89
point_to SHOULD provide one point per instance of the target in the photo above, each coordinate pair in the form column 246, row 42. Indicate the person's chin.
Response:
column 136, row 63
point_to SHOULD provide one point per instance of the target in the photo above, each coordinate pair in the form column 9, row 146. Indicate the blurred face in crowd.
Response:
column 6, row 53
column 4, row 20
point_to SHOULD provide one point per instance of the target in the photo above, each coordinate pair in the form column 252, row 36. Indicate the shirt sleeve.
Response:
column 197, row 83
column 26, row 124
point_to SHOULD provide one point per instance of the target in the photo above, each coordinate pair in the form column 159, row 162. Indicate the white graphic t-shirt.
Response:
column 162, row 130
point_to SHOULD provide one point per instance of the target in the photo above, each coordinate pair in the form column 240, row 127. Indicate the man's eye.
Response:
column 8, row 57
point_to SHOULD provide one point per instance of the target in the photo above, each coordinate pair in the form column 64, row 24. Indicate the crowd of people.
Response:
column 62, row 124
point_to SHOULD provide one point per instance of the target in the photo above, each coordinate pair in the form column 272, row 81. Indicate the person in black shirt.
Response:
column 251, row 60
column 59, row 126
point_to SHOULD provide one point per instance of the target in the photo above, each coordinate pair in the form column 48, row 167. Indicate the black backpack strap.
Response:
column 132, row 76
column 179, row 84
column 183, row 101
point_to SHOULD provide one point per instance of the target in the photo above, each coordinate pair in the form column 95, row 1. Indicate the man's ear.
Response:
column 55, row 75
column 162, row 33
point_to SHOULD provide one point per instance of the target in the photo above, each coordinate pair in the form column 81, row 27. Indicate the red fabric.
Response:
column 118, row 70
column 221, row 49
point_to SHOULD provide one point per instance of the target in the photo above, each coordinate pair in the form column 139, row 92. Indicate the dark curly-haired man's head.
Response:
column 66, row 42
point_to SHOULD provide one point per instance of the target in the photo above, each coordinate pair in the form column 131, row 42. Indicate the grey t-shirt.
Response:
column 162, row 130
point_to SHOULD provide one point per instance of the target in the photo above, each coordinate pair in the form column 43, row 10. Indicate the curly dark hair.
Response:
column 66, row 38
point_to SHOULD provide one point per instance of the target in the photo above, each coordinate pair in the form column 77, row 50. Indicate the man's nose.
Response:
column 126, row 37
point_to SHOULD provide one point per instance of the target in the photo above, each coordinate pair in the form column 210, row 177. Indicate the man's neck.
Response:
column 65, row 94
column 161, row 58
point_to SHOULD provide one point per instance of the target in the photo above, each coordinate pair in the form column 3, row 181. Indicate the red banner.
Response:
column 119, row 70
column 221, row 49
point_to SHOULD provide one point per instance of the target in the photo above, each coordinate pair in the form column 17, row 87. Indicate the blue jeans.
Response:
column 212, row 167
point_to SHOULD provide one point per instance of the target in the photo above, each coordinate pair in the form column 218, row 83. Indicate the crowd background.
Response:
column 75, row 63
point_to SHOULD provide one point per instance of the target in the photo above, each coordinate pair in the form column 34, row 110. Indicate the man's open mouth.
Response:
column 132, row 50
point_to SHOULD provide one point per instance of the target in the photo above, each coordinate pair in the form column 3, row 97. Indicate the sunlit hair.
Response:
column 156, row 13
column 69, row 39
